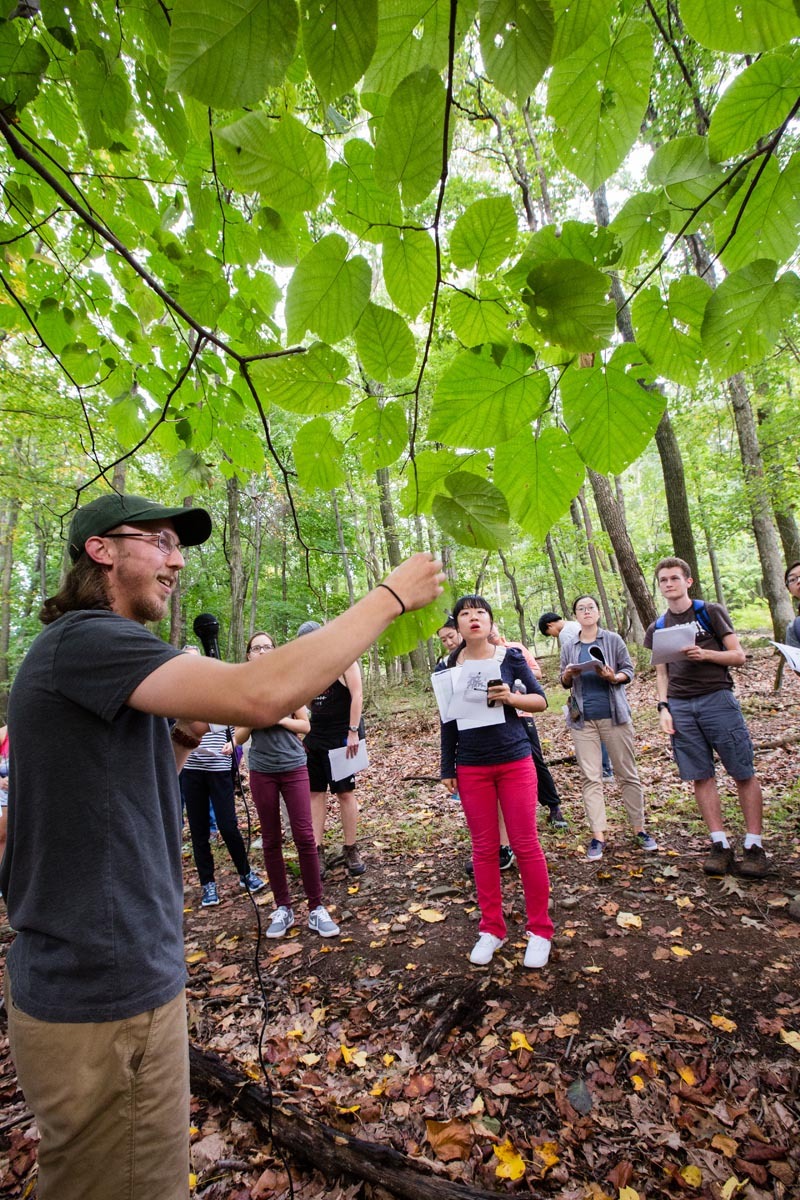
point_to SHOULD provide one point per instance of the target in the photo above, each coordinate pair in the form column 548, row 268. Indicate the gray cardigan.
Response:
column 615, row 652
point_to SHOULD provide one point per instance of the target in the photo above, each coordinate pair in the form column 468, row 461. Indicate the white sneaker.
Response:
column 281, row 922
column 321, row 922
column 484, row 949
column 537, row 952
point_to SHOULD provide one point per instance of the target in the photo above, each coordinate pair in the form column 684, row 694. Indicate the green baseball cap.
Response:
column 192, row 525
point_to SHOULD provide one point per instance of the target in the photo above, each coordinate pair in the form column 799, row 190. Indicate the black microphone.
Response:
column 206, row 628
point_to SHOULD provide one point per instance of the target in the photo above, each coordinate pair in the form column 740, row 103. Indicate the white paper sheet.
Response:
column 342, row 766
column 461, row 694
column 669, row 644
column 790, row 653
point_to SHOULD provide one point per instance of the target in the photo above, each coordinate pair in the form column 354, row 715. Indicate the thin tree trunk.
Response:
column 9, row 515
column 719, row 591
column 551, row 554
column 177, row 617
column 414, row 663
column 608, row 615
column 481, row 576
column 236, row 638
column 258, row 533
column 623, row 548
column 348, row 574
column 789, row 533
column 635, row 629
column 517, row 599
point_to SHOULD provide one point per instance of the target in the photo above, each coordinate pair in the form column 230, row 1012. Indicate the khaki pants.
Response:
column 622, row 751
column 111, row 1101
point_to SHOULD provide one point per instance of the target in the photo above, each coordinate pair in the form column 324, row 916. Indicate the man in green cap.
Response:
column 92, row 872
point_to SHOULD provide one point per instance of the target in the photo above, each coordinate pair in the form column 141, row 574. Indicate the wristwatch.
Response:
column 663, row 704
column 353, row 728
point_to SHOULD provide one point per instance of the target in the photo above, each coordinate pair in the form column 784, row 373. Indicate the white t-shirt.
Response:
column 569, row 632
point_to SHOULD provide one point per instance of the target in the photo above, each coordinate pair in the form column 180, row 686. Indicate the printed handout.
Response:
column 342, row 766
column 669, row 644
column 461, row 694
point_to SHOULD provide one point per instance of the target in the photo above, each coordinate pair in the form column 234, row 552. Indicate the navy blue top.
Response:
column 596, row 703
column 491, row 744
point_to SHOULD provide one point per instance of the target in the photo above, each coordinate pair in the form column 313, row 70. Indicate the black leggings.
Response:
column 200, row 787
column 546, row 785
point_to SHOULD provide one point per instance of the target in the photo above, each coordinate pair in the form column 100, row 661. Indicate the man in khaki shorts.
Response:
column 92, row 872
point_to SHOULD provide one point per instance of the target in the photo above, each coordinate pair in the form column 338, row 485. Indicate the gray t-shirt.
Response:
column 276, row 749
column 92, row 874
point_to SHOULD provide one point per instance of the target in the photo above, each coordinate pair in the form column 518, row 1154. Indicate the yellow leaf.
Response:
column 791, row 1038
column 358, row 1058
column 592, row 970
column 192, row 1181
column 511, row 1165
column 722, row 1023
column 519, row 1041
column 309, row 1060
column 681, row 952
column 295, row 1033
column 353, row 890
column 411, row 966
column 196, row 956
column 319, row 1014
column 347, row 1053
column 684, row 902
column 725, row 1144
column 692, row 1175
column 431, row 915
column 388, row 1059
column 729, row 1187
column 629, row 920
column 687, row 1075
column 638, row 1082
column 351, row 1109
column 627, row 1193
column 193, row 1130
column 637, row 1056
column 547, row 1153
column 378, row 1089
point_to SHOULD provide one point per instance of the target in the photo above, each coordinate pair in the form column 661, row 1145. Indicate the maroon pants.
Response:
column 293, row 786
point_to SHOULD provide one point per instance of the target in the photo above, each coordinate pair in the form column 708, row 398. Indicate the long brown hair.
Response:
column 85, row 585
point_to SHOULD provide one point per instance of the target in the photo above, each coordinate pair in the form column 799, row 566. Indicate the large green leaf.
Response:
column 204, row 293
column 328, row 291
column 593, row 244
column 406, row 632
column 242, row 446
column 339, row 39
column 385, row 344
column 409, row 268
column 576, row 22
column 277, row 238
column 610, row 416
column 741, row 26
column 480, row 402
column 304, row 383
column 164, row 114
column 597, row 98
column 103, row 96
column 426, row 475
column 516, row 39
column 361, row 205
column 382, row 433
column 281, row 159
column 744, row 316
column 227, row 55
column 764, row 223
column 540, row 476
column 476, row 320
column 672, row 352
column 23, row 62
column 475, row 513
column 409, row 146
column 318, row 456
column 484, row 236
column 413, row 34
column 567, row 302
column 641, row 226
column 757, row 101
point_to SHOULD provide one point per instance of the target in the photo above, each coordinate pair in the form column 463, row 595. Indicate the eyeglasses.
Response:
column 262, row 649
column 586, row 608
column 162, row 540
column 793, row 579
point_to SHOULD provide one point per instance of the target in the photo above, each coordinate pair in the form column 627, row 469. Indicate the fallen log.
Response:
column 328, row 1149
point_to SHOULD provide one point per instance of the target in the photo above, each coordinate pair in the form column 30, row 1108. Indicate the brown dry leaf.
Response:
column 431, row 915
column 286, row 950
column 450, row 1140
column 725, row 1145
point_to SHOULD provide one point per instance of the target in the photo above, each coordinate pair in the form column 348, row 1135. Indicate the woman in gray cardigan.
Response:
column 595, row 667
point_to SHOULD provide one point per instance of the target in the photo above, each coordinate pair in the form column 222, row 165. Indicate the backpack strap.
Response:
column 701, row 616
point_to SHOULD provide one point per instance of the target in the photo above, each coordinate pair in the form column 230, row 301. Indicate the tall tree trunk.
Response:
column 481, row 576
column 623, row 548
column 348, row 574
column 551, row 554
column 414, row 663
column 177, row 617
column 766, row 535
column 258, row 533
column 719, row 591
column 9, row 516
column 677, row 497
column 635, row 630
column 233, row 553
column 789, row 533
column 511, row 576
column 608, row 615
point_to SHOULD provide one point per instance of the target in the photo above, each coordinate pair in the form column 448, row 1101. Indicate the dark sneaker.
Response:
column 210, row 896
column 608, row 773
column 557, row 819
column 595, row 851
column 645, row 841
column 720, row 859
column 323, row 870
column 506, row 858
column 251, row 882
column 353, row 860
column 754, row 863
column 469, row 868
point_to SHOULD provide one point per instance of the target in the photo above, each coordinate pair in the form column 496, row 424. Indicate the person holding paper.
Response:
column 699, row 712
column 595, row 667
column 335, row 721
column 278, row 768
column 486, row 756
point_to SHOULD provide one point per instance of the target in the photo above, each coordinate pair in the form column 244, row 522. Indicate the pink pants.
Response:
column 513, row 784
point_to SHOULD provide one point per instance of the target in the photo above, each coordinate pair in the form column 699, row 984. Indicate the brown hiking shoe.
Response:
column 353, row 860
column 754, row 863
column 323, row 870
column 720, row 860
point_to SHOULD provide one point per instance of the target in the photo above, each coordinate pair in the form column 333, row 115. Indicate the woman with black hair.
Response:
column 595, row 667
column 792, row 581
column 489, row 764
